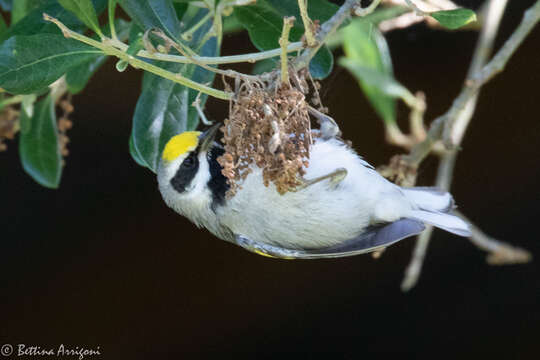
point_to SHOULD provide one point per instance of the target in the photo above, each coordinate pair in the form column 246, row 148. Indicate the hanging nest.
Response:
column 268, row 126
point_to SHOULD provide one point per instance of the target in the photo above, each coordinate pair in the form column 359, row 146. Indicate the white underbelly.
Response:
column 318, row 216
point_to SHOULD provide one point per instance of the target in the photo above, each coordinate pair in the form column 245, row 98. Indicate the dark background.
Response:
column 103, row 262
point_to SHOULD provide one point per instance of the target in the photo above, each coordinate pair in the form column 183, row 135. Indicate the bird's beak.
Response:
column 207, row 138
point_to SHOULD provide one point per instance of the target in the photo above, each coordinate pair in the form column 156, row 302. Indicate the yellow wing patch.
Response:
column 180, row 144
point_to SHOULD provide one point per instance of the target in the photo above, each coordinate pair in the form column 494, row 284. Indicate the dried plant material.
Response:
column 269, row 128
column 9, row 125
column 64, row 124
column 399, row 171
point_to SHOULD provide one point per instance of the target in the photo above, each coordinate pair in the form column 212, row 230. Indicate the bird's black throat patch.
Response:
column 186, row 173
column 218, row 183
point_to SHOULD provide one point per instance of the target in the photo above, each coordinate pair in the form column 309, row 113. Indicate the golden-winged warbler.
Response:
column 345, row 209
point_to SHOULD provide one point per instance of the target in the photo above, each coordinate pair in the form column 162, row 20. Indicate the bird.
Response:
column 344, row 208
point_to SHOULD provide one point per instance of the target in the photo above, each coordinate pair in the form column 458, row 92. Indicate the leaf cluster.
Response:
column 43, row 60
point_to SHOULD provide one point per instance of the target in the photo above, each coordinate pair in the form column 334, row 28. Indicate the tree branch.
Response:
column 461, row 111
column 473, row 84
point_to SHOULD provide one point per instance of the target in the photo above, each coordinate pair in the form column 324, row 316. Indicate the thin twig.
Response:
column 308, row 24
column 188, row 53
column 232, row 59
column 284, row 42
column 530, row 19
column 499, row 252
column 197, row 105
column 326, row 30
column 359, row 11
column 413, row 270
column 136, row 63
column 461, row 111
column 416, row 9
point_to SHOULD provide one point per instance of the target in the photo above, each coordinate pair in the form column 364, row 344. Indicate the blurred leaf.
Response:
column 84, row 10
column 19, row 9
column 264, row 23
column 164, row 107
column 366, row 47
column 383, row 82
column 159, row 14
column 3, row 25
column 454, row 19
column 30, row 63
column 6, row 5
column 38, row 145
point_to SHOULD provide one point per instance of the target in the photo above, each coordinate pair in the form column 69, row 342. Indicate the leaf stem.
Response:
column 137, row 63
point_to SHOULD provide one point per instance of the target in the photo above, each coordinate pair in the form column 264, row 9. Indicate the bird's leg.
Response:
column 335, row 178
column 328, row 127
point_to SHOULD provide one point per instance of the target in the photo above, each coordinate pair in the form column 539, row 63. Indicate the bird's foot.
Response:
column 335, row 178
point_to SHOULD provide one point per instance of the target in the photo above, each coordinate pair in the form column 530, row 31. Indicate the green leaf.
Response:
column 84, row 10
column 264, row 22
column 366, row 47
column 159, row 14
column 322, row 63
column 38, row 145
column 30, row 63
column 454, row 19
column 33, row 23
column 18, row 10
column 135, row 154
column 77, row 78
column 164, row 107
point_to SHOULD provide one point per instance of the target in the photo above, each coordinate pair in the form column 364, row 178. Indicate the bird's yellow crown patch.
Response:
column 180, row 144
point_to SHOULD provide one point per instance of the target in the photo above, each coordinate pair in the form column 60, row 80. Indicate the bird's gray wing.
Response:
column 371, row 240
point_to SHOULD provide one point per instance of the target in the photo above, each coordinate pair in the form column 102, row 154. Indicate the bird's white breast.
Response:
column 319, row 215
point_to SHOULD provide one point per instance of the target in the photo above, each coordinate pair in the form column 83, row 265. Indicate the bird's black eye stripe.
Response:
column 186, row 173
column 218, row 183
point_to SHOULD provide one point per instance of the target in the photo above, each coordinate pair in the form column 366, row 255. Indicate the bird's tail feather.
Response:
column 430, row 198
column 433, row 207
column 448, row 222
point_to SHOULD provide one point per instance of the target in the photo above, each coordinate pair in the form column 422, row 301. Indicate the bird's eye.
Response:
column 188, row 162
